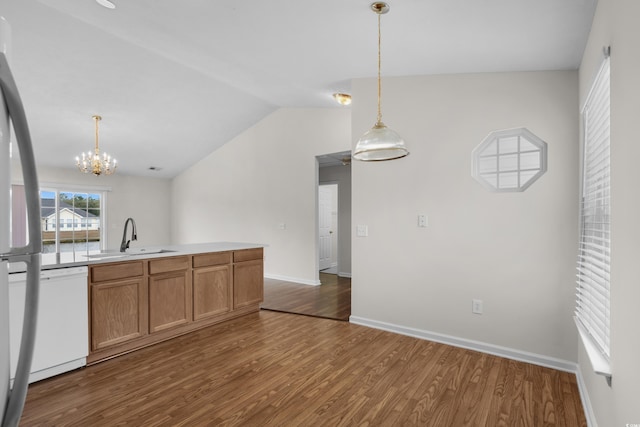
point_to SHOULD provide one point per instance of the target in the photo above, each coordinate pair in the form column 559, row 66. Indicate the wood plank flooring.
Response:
column 331, row 300
column 278, row 369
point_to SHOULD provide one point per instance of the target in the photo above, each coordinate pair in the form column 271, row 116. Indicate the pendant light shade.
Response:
column 380, row 142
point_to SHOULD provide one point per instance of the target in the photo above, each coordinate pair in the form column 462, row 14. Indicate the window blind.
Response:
column 593, row 272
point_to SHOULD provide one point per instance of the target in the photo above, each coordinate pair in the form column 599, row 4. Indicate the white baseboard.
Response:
column 584, row 398
column 344, row 275
column 293, row 279
column 509, row 353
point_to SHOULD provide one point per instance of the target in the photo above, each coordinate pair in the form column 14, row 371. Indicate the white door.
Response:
column 324, row 225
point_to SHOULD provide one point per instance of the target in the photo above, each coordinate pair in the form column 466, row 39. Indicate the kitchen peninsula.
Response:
column 154, row 294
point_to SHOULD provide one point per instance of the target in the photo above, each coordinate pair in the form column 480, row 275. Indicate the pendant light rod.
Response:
column 380, row 8
column 97, row 119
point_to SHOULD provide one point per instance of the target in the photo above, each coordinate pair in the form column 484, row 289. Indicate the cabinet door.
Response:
column 169, row 300
column 211, row 291
column 248, row 283
column 118, row 312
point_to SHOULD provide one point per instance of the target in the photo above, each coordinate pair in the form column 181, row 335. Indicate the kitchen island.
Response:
column 155, row 294
column 134, row 299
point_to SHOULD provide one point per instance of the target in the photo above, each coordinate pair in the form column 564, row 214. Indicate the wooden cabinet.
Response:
column 117, row 305
column 137, row 303
column 169, row 293
column 211, row 285
column 248, row 278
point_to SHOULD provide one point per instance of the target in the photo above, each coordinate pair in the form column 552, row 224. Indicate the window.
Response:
column 593, row 290
column 509, row 160
column 72, row 210
column 72, row 220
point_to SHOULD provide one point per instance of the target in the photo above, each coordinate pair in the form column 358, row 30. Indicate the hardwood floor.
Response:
column 331, row 300
column 277, row 369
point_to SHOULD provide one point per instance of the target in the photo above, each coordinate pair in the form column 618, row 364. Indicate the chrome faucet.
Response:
column 124, row 245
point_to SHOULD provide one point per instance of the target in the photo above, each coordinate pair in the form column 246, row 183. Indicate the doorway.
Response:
column 332, row 298
column 334, row 214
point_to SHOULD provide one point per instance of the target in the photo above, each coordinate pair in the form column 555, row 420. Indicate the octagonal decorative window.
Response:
column 509, row 160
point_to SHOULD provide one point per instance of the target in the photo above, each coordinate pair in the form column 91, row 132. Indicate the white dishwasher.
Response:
column 62, row 327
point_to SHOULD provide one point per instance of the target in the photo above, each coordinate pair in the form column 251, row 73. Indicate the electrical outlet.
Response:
column 476, row 306
column 362, row 230
column 423, row 220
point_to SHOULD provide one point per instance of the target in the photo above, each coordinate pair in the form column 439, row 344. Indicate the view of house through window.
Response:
column 71, row 221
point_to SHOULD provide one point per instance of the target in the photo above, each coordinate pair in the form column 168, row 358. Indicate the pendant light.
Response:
column 94, row 162
column 380, row 142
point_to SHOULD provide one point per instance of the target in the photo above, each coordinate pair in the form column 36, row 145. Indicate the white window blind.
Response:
column 593, row 290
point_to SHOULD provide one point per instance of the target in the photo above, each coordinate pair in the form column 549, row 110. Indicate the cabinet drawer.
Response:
column 164, row 265
column 247, row 255
column 214, row 258
column 104, row 272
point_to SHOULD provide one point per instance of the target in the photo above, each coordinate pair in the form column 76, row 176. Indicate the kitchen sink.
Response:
column 107, row 254
column 145, row 251
column 129, row 252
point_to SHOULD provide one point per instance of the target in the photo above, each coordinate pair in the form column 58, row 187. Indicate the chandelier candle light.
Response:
column 380, row 142
column 94, row 162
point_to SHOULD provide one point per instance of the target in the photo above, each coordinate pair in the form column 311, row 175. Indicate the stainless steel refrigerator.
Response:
column 12, row 112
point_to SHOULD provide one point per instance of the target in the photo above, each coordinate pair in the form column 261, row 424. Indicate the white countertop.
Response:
column 73, row 259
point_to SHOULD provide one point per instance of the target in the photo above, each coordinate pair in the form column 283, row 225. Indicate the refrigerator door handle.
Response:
column 30, row 253
column 27, row 160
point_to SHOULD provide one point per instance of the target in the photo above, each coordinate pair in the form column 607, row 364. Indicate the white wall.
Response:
column 615, row 24
column 147, row 200
column 342, row 176
column 515, row 251
column 264, row 177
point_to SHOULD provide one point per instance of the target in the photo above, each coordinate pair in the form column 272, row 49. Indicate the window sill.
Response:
column 599, row 364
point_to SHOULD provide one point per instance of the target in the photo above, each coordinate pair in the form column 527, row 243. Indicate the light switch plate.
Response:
column 476, row 306
column 362, row 230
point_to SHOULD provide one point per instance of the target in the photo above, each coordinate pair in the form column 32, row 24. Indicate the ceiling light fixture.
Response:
column 106, row 3
column 380, row 142
column 342, row 98
column 93, row 162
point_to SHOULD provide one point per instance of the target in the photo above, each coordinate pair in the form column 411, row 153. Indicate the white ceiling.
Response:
column 176, row 79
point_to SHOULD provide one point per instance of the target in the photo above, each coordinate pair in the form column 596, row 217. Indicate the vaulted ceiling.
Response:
column 176, row 79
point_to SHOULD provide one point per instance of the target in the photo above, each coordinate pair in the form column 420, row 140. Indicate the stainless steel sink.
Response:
column 129, row 252
column 146, row 251
column 107, row 254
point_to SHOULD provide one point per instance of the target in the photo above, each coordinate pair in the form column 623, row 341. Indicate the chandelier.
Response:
column 94, row 162
column 380, row 142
